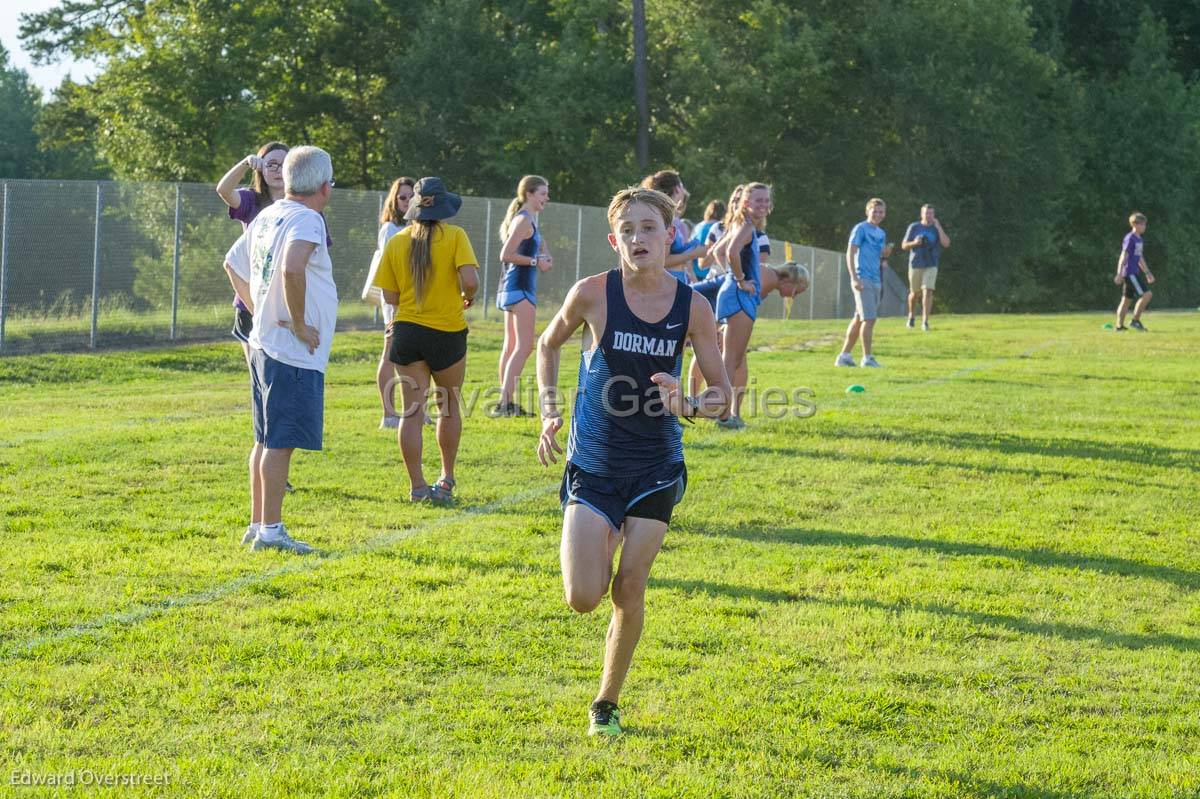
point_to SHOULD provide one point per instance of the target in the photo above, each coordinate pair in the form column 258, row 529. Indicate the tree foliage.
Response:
column 19, row 102
column 1035, row 126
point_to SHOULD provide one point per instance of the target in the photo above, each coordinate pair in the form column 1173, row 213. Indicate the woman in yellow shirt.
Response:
column 430, row 274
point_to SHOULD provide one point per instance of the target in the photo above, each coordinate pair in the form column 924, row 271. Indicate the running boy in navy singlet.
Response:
column 625, row 470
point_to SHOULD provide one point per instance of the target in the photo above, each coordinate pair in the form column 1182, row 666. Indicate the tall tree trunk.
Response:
column 642, row 151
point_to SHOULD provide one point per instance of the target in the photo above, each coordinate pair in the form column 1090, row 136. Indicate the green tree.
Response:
column 19, row 101
column 1139, row 131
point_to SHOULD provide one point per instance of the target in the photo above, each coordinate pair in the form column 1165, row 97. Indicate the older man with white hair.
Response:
column 282, row 264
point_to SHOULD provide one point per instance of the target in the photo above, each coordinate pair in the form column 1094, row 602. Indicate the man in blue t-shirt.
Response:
column 924, row 241
column 865, row 256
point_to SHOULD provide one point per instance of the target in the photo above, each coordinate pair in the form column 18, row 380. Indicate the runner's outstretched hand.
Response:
column 548, row 441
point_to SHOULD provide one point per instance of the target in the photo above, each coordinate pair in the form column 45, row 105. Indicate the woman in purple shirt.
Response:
column 245, row 204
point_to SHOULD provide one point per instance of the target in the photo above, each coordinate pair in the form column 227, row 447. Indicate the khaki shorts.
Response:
column 923, row 278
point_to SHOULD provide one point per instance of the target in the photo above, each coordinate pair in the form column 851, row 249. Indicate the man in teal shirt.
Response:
column 865, row 254
column 924, row 241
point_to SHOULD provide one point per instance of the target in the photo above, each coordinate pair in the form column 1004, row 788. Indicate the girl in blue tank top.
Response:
column 523, row 257
column 738, row 298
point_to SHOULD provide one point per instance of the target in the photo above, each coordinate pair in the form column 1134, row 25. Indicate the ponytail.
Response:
column 420, row 255
column 528, row 185
column 732, row 209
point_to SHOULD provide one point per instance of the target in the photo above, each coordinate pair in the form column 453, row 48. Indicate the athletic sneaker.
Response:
column 911, row 322
column 1136, row 324
column 730, row 424
column 389, row 423
column 605, row 719
column 845, row 359
column 1121, row 329
column 279, row 539
column 508, row 409
column 288, row 487
column 870, row 361
column 741, row 424
column 248, row 536
column 925, row 326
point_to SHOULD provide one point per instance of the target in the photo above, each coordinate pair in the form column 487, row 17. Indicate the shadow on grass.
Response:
column 1140, row 453
column 826, row 454
column 978, row 787
column 1101, row 564
column 1017, row 624
column 769, row 595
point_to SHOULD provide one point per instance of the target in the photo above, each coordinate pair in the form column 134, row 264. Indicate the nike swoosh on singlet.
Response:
column 672, row 327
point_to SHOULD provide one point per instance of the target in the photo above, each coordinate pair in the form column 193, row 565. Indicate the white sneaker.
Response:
column 910, row 321
column 845, row 359
column 279, row 539
column 250, row 534
column 869, row 361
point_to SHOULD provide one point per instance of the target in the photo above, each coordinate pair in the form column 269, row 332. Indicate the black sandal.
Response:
column 443, row 490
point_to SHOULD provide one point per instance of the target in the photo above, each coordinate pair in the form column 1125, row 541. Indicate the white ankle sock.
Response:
column 270, row 532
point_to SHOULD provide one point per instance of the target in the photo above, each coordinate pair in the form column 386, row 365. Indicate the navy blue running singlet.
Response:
column 619, row 426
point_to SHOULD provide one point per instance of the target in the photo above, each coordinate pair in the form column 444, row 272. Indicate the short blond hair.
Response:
column 790, row 270
column 636, row 194
column 874, row 201
column 1137, row 216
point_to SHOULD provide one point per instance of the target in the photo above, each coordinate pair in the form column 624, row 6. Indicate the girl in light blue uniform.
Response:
column 739, row 296
column 523, row 256
column 517, row 281
column 735, row 296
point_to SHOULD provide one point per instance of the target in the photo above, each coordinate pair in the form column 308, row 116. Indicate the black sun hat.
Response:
column 432, row 202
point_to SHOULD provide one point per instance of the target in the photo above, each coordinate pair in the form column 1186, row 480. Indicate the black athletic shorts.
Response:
column 648, row 496
column 243, row 323
column 412, row 342
column 1135, row 286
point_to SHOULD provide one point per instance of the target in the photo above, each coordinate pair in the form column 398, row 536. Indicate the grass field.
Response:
column 978, row 578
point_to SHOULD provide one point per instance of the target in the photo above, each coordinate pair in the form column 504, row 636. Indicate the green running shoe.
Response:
column 605, row 719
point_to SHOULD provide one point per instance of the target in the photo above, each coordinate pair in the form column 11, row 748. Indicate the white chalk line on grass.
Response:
column 299, row 564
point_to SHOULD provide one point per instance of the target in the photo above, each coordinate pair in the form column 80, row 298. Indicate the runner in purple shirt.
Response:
column 1133, row 273
column 244, row 204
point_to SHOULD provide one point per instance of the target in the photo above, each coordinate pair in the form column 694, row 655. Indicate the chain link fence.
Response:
column 105, row 264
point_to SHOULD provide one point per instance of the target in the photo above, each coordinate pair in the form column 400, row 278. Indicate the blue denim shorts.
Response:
column 288, row 402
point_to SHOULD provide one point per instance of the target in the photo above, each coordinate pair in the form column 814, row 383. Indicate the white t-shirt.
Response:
column 258, row 257
column 371, row 292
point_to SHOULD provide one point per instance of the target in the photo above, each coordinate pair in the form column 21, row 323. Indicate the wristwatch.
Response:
column 694, row 404
column 533, row 259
